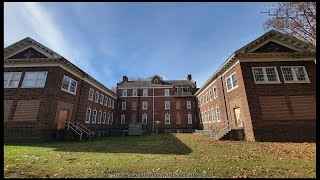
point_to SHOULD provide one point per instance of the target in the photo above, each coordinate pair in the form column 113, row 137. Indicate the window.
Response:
column 145, row 92
column 134, row 92
column 144, row 118
column 106, row 101
column 101, row 99
column 210, row 94
column 94, row 116
column 144, row 105
column 99, row 117
column 167, row 104
column 188, row 104
column 11, row 79
column 199, row 102
column 69, row 85
column 109, row 102
column 167, row 119
column 207, row 98
column 104, row 118
column 112, row 104
column 200, row 119
column 88, row 115
column 166, row 92
column 124, row 92
column 108, row 118
column 204, row 100
column 91, row 92
column 212, row 115
column 189, row 118
column 215, row 92
column 111, row 118
column 123, row 119
column 232, row 82
column 209, row 118
column 34, row 79
column 96, row 99
column 124, row 105
column 295, row 74
column 218, row 113
column 265, row 75
column 204, row 117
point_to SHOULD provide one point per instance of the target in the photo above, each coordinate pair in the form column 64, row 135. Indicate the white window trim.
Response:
column 34, row 81
column 111, row 118
column 233, row 87
column 209, row 116
column 295, row 75
column 145, row 103
column 106, row 101
column 126, row 94
column 109, row 102
column 189, row 118
column 215, row 95
column 91, row 98
column 265, row 75
column 145, row 92
column 104, row 117
column 218, row 117
column 146, row 116
column 200, row 118
column 210, row 96
column 68, row 91
column 108, row 118
column 165, row 104
column 94, row 117
column 188, row 104
column 213, row 115
column 123, row 105
column 95, row 97
column 165, row 118
column 101, row 99
column 166, row 92
column 112, row 104
column 136, row 92
column 123, row 118
column 100, row 117
column 207, row 97
column 11, row 74
column 88, row 120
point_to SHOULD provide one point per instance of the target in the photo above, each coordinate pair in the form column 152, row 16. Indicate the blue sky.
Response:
column 109, row 40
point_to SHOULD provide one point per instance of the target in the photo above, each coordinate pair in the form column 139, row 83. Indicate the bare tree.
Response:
column 295, row 18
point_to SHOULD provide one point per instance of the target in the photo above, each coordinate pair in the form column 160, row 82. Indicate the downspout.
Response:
column 153, row 110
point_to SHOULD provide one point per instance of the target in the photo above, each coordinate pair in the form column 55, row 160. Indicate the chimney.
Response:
column 189, row 77
column 125, row 79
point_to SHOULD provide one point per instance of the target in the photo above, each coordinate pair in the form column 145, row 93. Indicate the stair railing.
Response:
column 226, row 127
column 84, row 129
column 72, row 126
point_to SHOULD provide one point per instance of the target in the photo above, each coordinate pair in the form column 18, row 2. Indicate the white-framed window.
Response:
column 167, row 119
column 124, row 104
column 295, row 74
column 204, row 117
column 11, row 79
column 189, row 118
column 145, row 92
column 123, row 119
column 200, row 118
column 101, row 98
column 111, row 118
column 166, row 92
column 167, row 104
column 218, row 113
column 88, row 115
column 134, row 92
column 232, row 82
column 207, row 98
column 108, row 118
column 188, row 104
column 265, row 75
column 94, row 116
column 204, row 100
column 91, row 92
column 144, row 118
column 210, row 94
column 209, row 117
column 69, row 85
column 124, row 92
column 96, row 98
column 215, row 93
column 99, row 117
column 35, row 79
column 112, row 104
column 106, row 101
column 109, row 102
column 144, row 105
column 104, row 118
column 212, row 115
column 199, row 103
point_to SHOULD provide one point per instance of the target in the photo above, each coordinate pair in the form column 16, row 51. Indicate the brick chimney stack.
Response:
column 189, row 77
column 125, row 79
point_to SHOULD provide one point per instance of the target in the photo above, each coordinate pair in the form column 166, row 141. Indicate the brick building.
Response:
column 171, row 102
column 43, row 91
column 266, row 89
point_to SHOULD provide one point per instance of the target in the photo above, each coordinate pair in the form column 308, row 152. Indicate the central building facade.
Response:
column 168, row 105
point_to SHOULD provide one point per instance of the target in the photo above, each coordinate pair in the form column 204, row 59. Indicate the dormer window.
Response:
column 156, row 81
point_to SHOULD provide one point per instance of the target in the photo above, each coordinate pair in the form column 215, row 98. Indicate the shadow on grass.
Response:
column 150, row 144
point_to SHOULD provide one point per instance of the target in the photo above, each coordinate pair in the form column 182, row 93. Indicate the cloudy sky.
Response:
column 109, row 40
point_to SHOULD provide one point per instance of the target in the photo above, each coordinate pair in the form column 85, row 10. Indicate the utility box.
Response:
column 135, row 129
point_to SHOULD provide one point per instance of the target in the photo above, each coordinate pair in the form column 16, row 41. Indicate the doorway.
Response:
column 62, row 119
column 238, row 122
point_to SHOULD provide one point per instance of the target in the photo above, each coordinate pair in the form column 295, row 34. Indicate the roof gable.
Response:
column 271, row 47
column 28, row 53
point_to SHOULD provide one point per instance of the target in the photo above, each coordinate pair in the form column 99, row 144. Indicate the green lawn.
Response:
column 160, row 154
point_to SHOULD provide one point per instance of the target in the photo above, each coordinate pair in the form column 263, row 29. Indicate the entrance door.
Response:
column 238, row 121
column 62, row 119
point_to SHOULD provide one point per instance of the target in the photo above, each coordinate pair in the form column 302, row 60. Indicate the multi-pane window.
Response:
column 167, row 104
column 124, row 92
column 111, row 118
column 199, row 102
column 123, row 119
column 108, row 118
column 112, row 104
column 144, row 118
column 188, row 104
column 189, row 118
column 99, row 117
column 144, row 105
column 96, row 98
column 134, row 92
column 207, row 98
column 11, row 79
column 106, row 101
column 210, row 94
column 209, row 118
column 215, row 92
column 145, row 92
column 167, row 118
column 200, row 118
column 204, row 117
column 124, row 105
column 104, row 118
column 109, row 102
column 35, row 79
column 232, row 82
column 295, row 74
column 88, row 115
column 91, row 92
column 166, row 92
column 218, row 113
column 265, row 75
column 212, row 115
column 69, row 85
column 101, row 98
column 94, row 116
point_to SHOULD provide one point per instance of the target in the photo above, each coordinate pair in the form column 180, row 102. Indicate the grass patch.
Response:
column 163, row 153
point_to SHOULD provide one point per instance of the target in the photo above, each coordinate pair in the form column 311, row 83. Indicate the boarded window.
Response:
column 178, row 118
column 178, row 105
column 274, row 108
column 134, row 105
column 7, row 109
column 304, row 107
column 26, row 110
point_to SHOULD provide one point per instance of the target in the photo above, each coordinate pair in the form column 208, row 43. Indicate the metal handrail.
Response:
column 83, row 127
column 224, row 127
column 75, row 130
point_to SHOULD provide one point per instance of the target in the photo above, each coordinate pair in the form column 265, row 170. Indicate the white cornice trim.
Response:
column 136, row 87
column 275, row 59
